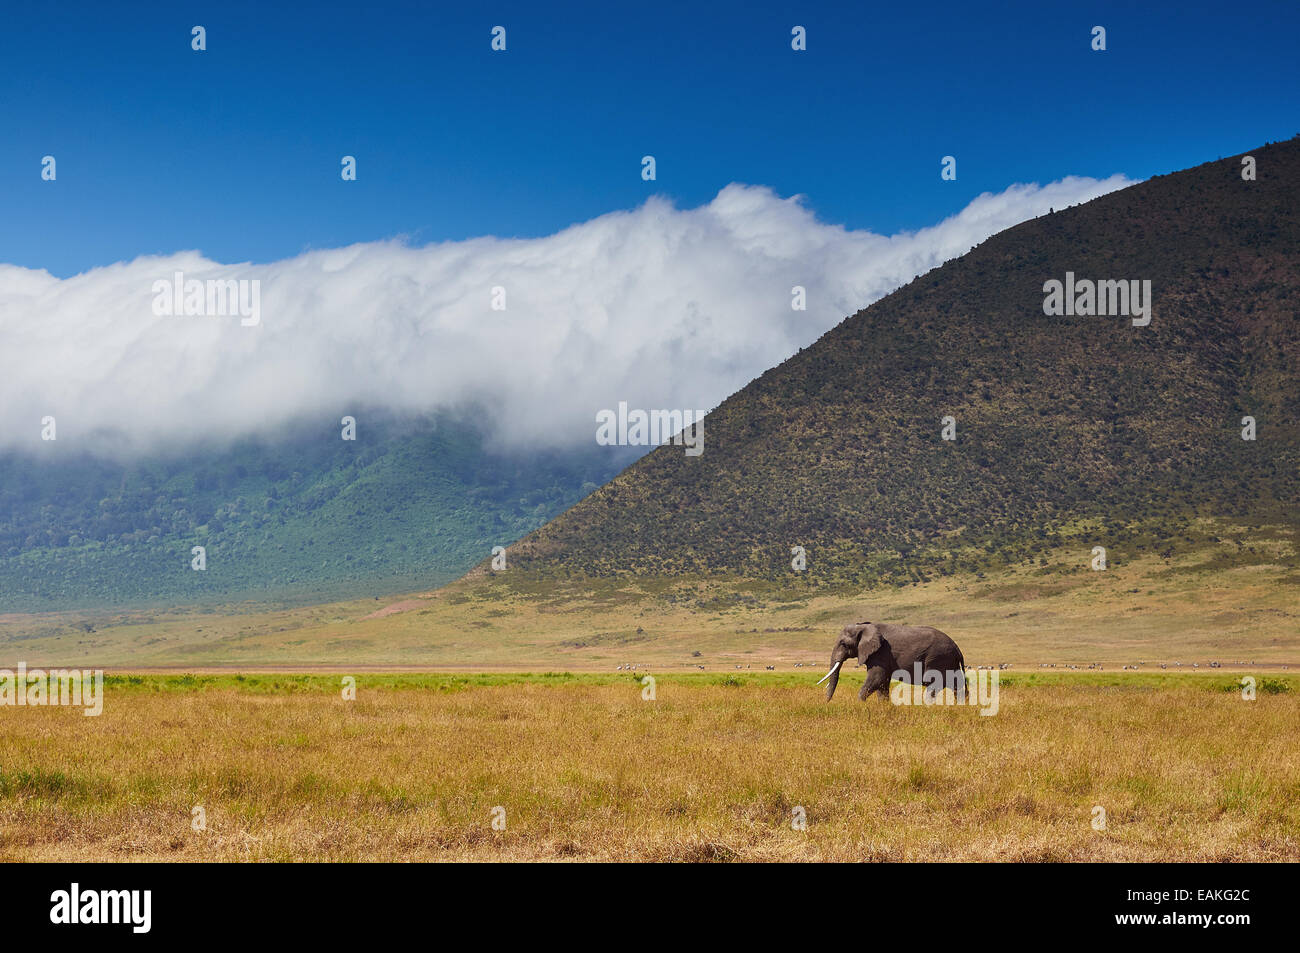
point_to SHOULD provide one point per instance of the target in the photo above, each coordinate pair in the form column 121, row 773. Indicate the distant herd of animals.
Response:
column 888, row 650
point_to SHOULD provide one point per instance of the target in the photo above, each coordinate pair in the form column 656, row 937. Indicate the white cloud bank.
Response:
column 660, row 307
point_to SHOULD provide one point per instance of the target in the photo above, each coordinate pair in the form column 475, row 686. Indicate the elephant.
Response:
column 886, row 649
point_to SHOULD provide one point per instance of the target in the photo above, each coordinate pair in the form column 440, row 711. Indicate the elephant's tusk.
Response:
column 834, row 668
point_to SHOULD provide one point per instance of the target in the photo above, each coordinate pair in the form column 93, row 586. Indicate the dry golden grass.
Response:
column 586, row 769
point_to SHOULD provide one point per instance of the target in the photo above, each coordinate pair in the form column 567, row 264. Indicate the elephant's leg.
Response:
column 877, row 681
column 956, row 681
column 936, row 688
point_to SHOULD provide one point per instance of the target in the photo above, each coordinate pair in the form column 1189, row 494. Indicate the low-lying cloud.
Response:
column 658, row 306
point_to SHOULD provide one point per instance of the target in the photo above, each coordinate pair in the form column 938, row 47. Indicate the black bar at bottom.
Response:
column 1223, row 903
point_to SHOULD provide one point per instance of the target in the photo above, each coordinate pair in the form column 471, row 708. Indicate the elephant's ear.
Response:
column 869, row 643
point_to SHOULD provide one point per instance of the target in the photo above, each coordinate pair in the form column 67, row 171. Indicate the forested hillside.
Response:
column 295, row 515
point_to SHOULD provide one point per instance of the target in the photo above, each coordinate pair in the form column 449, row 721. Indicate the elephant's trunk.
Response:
column 834, row 676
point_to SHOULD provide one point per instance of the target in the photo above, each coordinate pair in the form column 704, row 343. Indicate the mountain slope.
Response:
column 295, row 516
column 1063, row 422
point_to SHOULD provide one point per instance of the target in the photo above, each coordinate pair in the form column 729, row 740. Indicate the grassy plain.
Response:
column 713, row 769
column 532, row 716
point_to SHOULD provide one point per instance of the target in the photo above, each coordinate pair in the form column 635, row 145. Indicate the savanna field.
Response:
column 535, row 711
column 714, row 768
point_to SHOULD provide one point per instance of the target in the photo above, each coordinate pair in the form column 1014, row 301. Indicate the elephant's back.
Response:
column 936, row 640
column 916, row 632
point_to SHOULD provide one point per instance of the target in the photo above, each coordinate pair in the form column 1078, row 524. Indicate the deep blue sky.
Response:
column 235, row 151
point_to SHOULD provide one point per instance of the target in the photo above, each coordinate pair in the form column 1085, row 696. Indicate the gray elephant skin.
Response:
column 886, row 649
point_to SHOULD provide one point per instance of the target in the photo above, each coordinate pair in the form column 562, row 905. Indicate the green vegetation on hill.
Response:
column 1069, row 428
column 299, row 516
